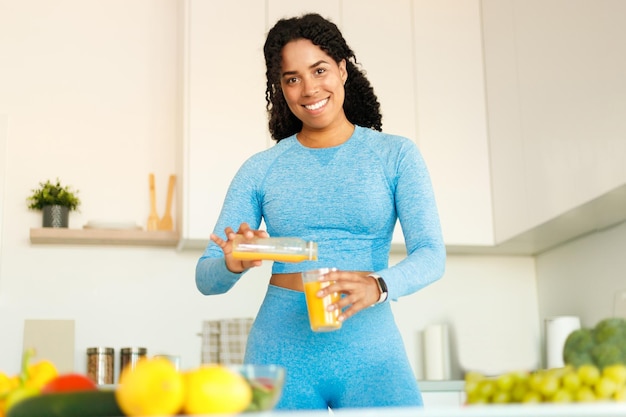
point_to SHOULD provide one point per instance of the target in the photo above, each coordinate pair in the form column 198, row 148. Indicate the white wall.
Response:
column 91, row 93
column 582, row 277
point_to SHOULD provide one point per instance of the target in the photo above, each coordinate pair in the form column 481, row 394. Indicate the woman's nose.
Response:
column 310, row 87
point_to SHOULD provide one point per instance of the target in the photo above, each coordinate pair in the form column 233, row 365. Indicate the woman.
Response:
column 334, row 178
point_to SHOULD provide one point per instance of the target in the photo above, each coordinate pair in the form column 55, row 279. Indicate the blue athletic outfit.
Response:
column 346, row 198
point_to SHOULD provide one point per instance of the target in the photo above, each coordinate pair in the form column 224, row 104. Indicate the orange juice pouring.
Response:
column 320, row 319
column 279, row 249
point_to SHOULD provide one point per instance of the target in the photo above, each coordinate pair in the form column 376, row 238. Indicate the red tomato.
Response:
column 69, row 383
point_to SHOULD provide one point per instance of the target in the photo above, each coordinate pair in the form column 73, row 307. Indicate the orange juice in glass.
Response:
column 320, row 319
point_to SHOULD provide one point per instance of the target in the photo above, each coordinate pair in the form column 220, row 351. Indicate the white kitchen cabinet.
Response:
column 215, row 141
column 383, row 44
column 556, row 95
column 224, row 118
column 4, row 129
column 451, row 116
column 516, row 110
column 520, row 118
column 426, row 71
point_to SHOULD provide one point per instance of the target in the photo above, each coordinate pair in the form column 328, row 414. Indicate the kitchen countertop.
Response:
column 512, row 410
column 441, row 386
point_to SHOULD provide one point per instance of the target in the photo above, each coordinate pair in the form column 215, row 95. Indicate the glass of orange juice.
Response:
column 320, row 319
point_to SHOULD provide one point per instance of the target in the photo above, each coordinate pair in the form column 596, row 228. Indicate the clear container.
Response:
column 281, row 249
column 174, row 359
column 321, row 320
column 130, row 355
column 100, row 365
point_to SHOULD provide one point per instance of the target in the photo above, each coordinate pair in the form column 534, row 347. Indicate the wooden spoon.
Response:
column 153, row 218
column 166, row 222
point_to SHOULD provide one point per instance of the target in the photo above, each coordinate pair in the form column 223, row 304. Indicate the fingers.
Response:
column 244, row 229
column 247, row 232
column 232, row 264
column 359, row 292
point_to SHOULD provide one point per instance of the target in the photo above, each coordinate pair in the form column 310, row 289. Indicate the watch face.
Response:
column 382, row 284
column 382, row 287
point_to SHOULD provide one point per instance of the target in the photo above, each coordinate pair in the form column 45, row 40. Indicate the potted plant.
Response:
column 55, row 201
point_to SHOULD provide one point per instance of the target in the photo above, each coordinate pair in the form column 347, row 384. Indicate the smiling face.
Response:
column 312, row 84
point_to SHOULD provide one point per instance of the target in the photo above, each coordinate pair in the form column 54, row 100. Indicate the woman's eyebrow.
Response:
column 318, row 63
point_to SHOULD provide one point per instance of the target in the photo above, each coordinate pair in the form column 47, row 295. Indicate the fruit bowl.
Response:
column 266, row 382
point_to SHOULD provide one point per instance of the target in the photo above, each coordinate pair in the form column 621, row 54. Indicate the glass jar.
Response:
column 130, row 355
column 100, row 365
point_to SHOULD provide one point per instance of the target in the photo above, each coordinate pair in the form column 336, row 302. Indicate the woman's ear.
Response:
column 343, row 71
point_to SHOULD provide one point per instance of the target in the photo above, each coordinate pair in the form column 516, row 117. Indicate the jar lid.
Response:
column 97, row 350
column 134, row 350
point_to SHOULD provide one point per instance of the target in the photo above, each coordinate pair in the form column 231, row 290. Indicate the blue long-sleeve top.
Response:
column 346, row 198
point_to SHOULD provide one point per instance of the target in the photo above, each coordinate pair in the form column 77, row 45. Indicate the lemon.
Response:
column 152, row 388
column 216, row 389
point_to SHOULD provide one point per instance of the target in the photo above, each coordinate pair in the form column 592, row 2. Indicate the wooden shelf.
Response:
column 52, row 235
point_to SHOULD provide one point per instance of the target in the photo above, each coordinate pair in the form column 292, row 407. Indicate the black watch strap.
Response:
column 382, row 287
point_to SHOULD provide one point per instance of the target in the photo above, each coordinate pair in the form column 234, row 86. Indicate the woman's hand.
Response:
column 235, row 265
column 360, row 292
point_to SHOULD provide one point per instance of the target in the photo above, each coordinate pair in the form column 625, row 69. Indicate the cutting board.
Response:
column 52, row 340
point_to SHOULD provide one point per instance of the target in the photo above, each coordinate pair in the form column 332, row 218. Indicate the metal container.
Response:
column 100, row 365
column 130, row 355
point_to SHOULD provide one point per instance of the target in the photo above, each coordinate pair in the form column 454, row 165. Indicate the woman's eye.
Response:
column 320, row 71
column 291, row 80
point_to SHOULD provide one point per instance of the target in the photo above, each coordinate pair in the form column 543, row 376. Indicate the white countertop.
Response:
column 441, row 386
column 512, row 410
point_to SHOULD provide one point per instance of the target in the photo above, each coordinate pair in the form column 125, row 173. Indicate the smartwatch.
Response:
column 382, row 287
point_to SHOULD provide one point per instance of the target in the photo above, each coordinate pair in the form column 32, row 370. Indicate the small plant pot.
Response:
column 56, row 216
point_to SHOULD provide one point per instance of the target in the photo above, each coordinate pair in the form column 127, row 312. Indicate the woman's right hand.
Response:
column 235, row 265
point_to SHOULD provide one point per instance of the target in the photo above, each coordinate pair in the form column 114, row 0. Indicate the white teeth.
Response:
column 317, row 105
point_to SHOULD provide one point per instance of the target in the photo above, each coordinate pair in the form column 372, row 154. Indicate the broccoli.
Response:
column 601, row 346
column 577, row 348
column 605, row 354
column 611, row 330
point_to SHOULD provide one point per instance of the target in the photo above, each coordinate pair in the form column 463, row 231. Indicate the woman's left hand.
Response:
column 360, row 291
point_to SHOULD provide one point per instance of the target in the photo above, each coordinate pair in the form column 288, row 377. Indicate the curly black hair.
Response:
column 360, row 105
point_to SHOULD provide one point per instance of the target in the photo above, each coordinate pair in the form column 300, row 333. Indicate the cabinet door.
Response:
column 224, row 119
column 557, row 99
column 4, row 129
column 380, row 34
column 451, row 116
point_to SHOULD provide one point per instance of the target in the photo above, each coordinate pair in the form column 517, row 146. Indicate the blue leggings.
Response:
column 363, row 364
